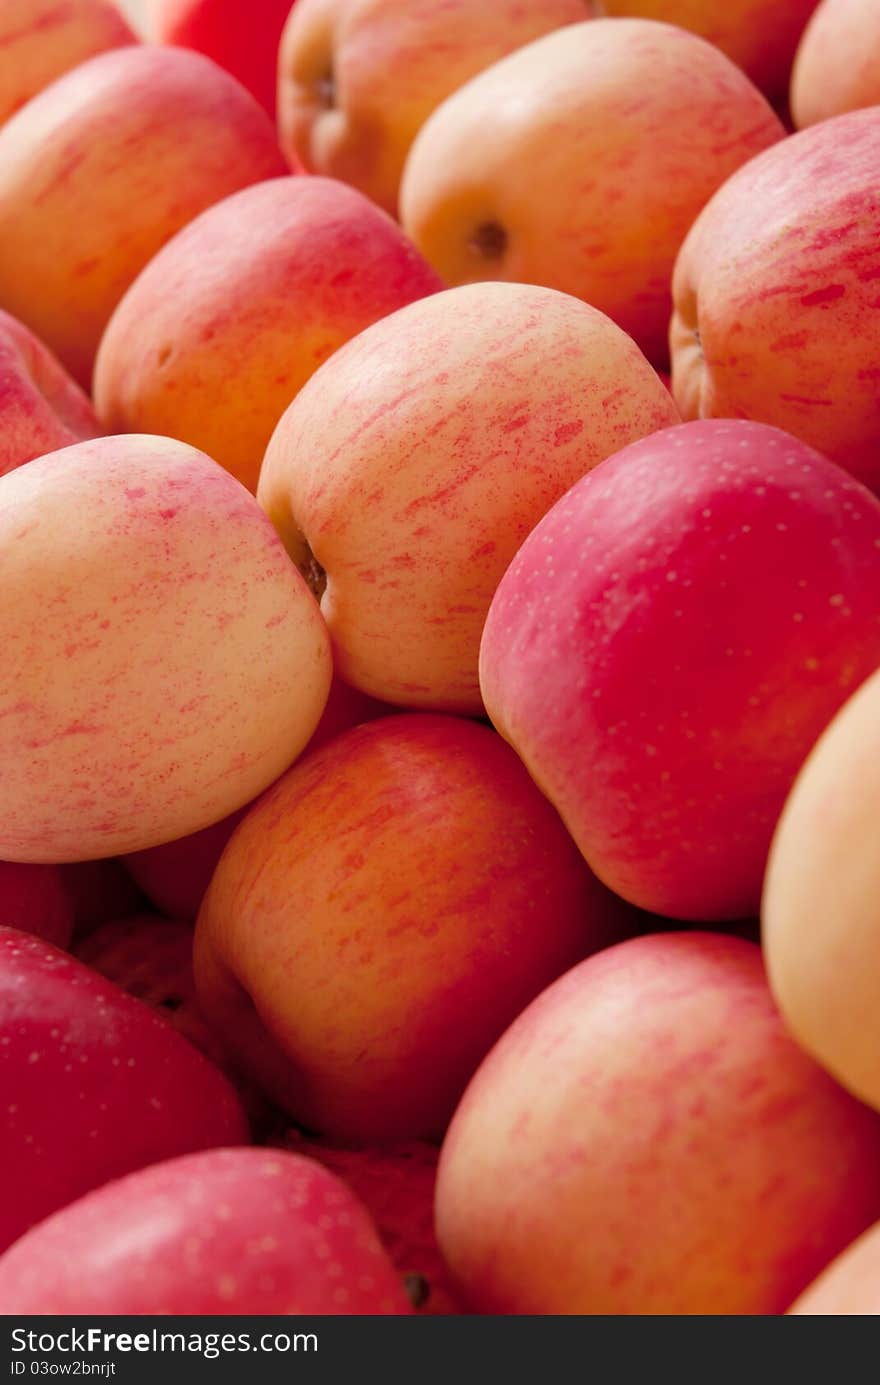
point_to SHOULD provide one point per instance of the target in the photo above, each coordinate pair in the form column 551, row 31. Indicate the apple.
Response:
column 93, row 1084
column 358, row 78
column 230, row 1231
column 42, row 408
column 646, row 1139
column 410, row 468
column 101, row 168
column 821, row 906
column 243, row 39
column 381, row 915
column 776, row 295
column 163, row 661
column 760, row 37
column 850, row 1286
column 34, row 900
column 259, row 289
column 837, row 67
column 395, row 1181
column 580, row 162
column 176, row 874
column 667, row 645
column 42, row 39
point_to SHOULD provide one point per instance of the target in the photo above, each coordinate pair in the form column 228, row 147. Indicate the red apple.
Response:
column 99, row 170
column 670, row 641
column 777, row 289
column 259, row 289
column 243, row 38
column 93, row 1084
column 42, row 408
column 410, row 468
column 232, row 1231
column 850, row 1286
column 837, row 67
column 647, row 1139
column 381, row 915
column 41, row 39
column 34, row 900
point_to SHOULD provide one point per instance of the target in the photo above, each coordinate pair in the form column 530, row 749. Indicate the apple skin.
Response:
column 34, row 900
column 820, row 911
column 381, row 915
column 230, row 1231
column 664, row 650
column 357, row 79
column 837, row 67
column 175, row 875
column 776, row 295
column 417, row 459
column 243, row 39
column 103, row 167
column 647, row 1139
column 580, row 162
column 163, row 660
column 760, row 38
column 93, row 1084
column 261, row 289
column 849, row 1287
column 42, row 39
column 41, row 406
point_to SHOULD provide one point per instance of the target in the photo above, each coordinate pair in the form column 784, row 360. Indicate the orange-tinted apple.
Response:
column 93, row 1084
column 837, row 67
column 410, row 468
column 850, row 1286
column 33, row 899
column 357, row 79
column 777, row 295
column 821, row 913
column 41, row 39
column 580, row 162
column 229, row 1231
column 41, row 407
column 760, row 37
column 163, row 661
column 382, row 914
column 647, row 1139
column 242, row 38
column 670, row 641
column 258, row 290
column 101, row 168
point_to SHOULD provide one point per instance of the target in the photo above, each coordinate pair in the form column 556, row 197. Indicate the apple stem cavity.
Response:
column 325, row 89
column 489, row 240
column 314, row 574
column 417, row 1288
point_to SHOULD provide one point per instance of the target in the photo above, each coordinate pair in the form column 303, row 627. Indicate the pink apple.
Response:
column 667, row 645
column 647, row 1139
column 99, row 170
column 242, row 38
column 42, row 39
column 92, row 1084
column 381, row 915
column 258, row 290
column 410, row 468
column 580, row 162
column 837, row 67
column 231, row 1231
column 163, row 661
column 777, row 290
column 42, row 408
column 34, row 900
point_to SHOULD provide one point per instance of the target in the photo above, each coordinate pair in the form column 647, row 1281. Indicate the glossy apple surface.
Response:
column 163, row 659
column 410, row 468
column 647, row 1139
column 666, row 647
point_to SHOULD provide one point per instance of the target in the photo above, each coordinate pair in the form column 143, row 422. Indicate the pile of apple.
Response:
column 414, row 706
